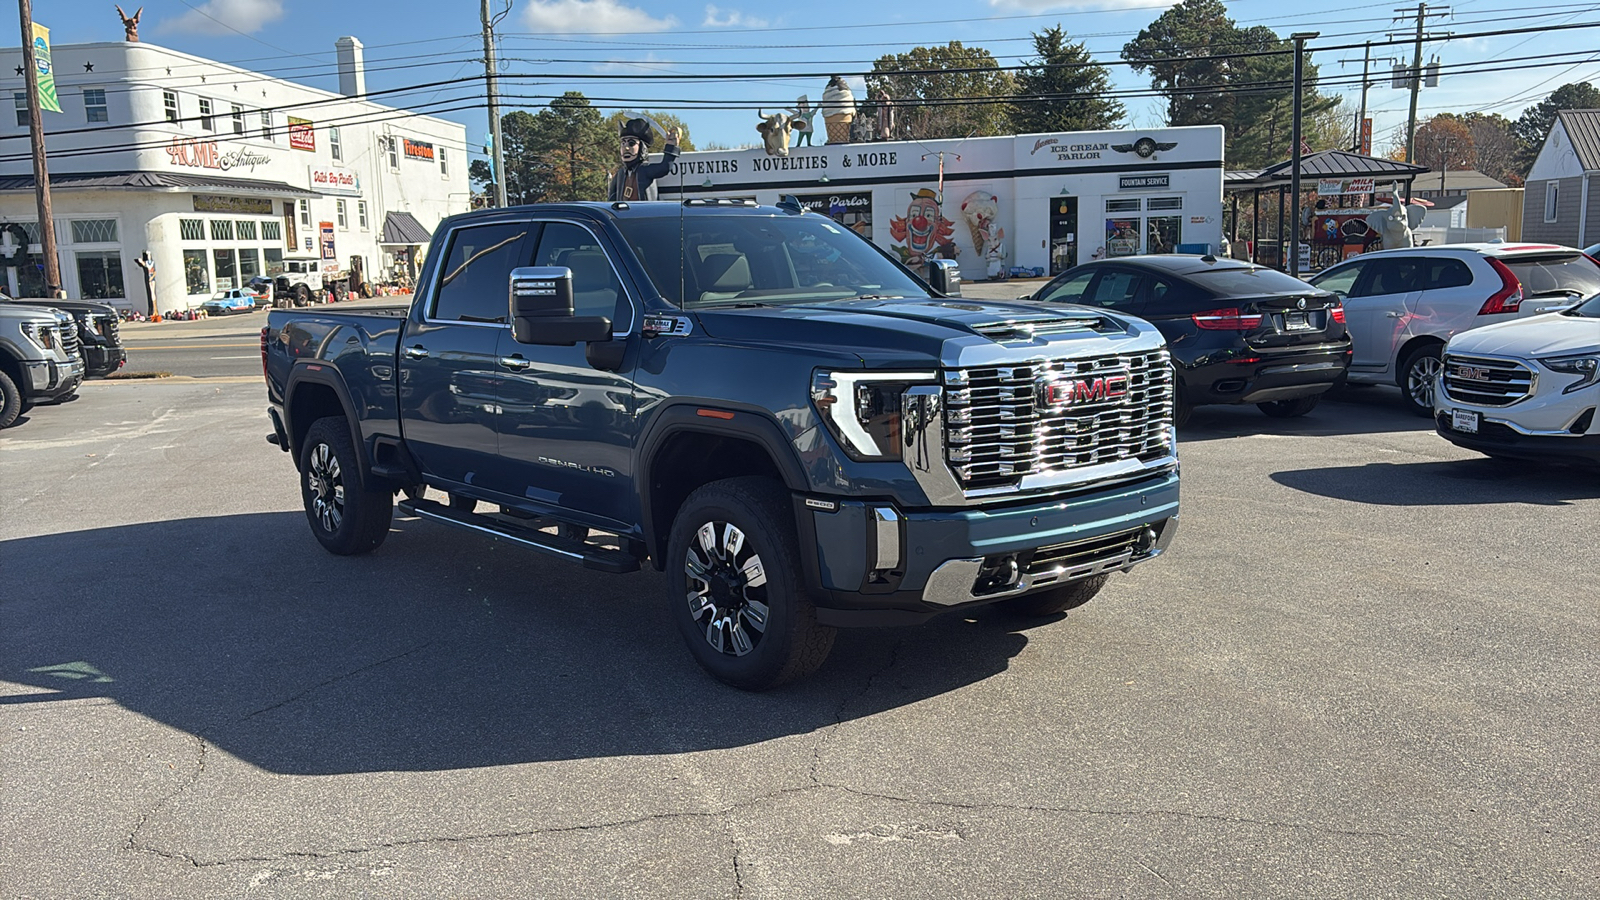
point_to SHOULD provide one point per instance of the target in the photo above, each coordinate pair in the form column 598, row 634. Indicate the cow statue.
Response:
column 775, row 130
column 1395, row 223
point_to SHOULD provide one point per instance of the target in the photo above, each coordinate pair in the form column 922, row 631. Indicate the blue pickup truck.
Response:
column 802, row 432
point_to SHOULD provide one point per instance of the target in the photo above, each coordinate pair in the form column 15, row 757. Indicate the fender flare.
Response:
column 320, row 373
column 683, row 416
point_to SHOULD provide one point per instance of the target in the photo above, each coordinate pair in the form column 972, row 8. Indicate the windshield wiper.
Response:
column 879, row 297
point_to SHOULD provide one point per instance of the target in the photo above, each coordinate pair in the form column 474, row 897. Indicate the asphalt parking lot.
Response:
column 1366, row 669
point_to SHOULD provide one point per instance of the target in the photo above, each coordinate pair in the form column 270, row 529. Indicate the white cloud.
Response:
column 226, row 17
column 717, row 17
column 569, row 16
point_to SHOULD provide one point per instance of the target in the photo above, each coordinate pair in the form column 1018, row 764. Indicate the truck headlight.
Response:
column 863, row 409
column 1585, row 366
column 43, row 335
column 87, row 323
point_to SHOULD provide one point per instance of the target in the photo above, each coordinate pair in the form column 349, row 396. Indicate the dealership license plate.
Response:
column 1464, row 421
column 1296, row 321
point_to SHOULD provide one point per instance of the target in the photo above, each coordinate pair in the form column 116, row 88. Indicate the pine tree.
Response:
column 1063, row 89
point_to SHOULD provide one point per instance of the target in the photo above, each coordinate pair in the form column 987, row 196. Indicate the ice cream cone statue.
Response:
column 838, row 110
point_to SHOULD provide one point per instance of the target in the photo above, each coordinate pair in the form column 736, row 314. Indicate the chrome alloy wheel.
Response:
column 326, row 481
column 726, row 588
column 1420, row 378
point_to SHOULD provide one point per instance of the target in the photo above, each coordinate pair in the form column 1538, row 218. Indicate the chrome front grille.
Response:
column 1043, row 416
column 69, row 339
column 1485, row 381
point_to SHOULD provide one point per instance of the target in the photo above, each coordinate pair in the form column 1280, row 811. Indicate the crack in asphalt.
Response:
column 337, row 678
column 144, row 817
column 838, row 716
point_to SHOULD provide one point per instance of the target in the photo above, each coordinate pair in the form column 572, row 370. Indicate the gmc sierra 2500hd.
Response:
column 801, row 432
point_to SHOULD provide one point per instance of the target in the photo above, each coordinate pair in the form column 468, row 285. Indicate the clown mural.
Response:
column 923, row 233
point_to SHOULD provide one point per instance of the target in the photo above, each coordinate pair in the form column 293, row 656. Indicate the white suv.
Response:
column 1403, row 305
column 1525, row 389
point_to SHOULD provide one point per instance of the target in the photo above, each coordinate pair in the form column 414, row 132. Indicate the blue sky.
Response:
column 549, row 46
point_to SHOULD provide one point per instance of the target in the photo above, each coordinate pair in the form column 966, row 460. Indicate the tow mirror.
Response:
column 541, row 309
column 945, row 277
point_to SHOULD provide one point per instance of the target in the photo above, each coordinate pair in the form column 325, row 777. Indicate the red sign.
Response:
column 194, row 153
column 302, row 136
column 1366, row 137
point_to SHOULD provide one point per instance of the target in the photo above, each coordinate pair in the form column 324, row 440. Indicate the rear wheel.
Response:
column 346, row 518
column 1057, row 599
column 302, row 295
column 1417, row 376
column 735, row 588
column 1289, row 409
column 10, row 401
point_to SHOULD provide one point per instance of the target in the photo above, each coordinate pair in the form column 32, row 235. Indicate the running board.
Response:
column 617, row 562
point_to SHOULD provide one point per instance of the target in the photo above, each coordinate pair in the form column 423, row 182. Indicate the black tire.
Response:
column 1056, row 600
column 346, row 517
column 10, row 401
column 1290, row 409
column 1182, row 410
column 1417, row 376
column 718, row 612
column 302, row 295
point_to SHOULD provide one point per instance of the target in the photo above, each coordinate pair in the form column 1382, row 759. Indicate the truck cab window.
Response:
column 595, row 290
column 475, row 282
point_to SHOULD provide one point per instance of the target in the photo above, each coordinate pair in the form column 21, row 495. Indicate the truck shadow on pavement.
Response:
column 438, row 651
column 1451, row 483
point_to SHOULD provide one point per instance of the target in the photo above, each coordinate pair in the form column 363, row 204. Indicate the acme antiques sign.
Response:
column 197, row 154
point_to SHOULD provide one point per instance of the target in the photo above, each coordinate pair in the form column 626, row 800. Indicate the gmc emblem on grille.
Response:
column 1472, row 373
column 1077, row 391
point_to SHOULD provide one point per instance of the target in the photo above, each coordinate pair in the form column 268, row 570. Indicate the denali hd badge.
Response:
column 1068, row 392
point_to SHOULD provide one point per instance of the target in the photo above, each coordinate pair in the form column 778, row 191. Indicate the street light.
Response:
column 1299, row 38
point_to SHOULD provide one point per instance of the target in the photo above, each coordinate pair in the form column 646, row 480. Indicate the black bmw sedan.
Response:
column 1238, row 333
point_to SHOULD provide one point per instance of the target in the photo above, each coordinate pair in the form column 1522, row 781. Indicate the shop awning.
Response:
column 157, row 181
column 403, row 228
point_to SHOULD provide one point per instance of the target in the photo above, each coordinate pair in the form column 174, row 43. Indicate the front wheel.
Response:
column 1289, row 409
column 1417, row 377
column 11, row 405
column 1057, row 599
column 735, row 588
column 346, row 517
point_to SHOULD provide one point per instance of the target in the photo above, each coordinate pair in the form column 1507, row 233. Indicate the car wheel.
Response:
column 1181, row 411
column 1417, row 377
column 346, row 517
column 302, row 296
column 1052, row 601
column 735, row 589
column 1289, row 409
column 10, row 401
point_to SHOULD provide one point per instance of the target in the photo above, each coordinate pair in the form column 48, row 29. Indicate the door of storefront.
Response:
column 1063, row 234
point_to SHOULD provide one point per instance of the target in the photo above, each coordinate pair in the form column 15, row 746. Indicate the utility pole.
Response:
column 1415, row 76
column 497, row 152
column 1299, row 39
column 41, row 173
column 1361, row 117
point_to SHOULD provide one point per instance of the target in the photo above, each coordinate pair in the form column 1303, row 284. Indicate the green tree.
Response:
column 528, row 175
column 562, row 152
column 1063, row 89
column 1533, row 126
column 929, row 101
column 1495, row 144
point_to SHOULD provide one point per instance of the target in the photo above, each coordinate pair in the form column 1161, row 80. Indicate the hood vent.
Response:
column 1028, row 329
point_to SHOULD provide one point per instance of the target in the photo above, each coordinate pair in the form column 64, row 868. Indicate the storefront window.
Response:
column 30, row 280
column 1129, row 204
column 226, row 268
column 270, row 231
column 94, row 231
column 249, row 265
column 192, row 229
column 1164, row 203
column 274, row 262
column 221, row 230
column 1164, row 234
column 246, row 229
column 194, row 272
column 100, row 274
column 1122, row 236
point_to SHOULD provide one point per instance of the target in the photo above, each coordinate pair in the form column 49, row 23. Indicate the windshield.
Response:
column 1575, row 275
column 743, row 259
column 1245, row 282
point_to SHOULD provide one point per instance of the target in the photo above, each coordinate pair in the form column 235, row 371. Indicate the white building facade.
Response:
column 219, row 174
column 1035, row 201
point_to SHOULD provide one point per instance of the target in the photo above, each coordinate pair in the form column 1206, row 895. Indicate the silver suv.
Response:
column 39, row 358
column 1403, row 305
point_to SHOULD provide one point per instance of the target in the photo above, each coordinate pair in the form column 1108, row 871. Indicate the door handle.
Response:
column 1392, row 315
column 417, row 352
column 515, row 363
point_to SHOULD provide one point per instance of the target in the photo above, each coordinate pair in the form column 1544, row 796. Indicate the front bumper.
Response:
column 100, row 360
column 1548, row 423
column 49, row 379
column 1497, row 438
column 871, row 563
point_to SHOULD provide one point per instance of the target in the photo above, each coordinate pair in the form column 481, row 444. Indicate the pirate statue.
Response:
column 636, row 178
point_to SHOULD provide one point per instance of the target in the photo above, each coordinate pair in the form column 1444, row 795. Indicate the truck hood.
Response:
column 922, row 328
column 1551, row 334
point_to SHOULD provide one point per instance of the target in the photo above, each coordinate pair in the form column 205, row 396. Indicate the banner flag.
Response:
column 46, row 74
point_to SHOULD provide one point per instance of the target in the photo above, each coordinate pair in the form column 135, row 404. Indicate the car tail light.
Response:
column 1509, row 298
column 1227, row 319
column 263, row 352
column 1336, row 313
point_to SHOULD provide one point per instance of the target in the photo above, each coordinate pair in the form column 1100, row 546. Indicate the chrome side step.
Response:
column 602, row 559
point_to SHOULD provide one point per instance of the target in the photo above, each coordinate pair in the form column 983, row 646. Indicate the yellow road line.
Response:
column 132, row 346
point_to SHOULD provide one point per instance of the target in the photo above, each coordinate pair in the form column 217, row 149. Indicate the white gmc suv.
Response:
column 1526, row 389
column 1403, row 305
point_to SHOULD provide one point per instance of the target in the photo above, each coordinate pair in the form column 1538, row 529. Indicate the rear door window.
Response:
column 1395, row 275
column 1172, row 297
column 1447, row 273
column 475, row 280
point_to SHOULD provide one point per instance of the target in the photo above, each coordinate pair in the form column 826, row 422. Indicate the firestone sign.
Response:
column 197, row 154
column 417, row 149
